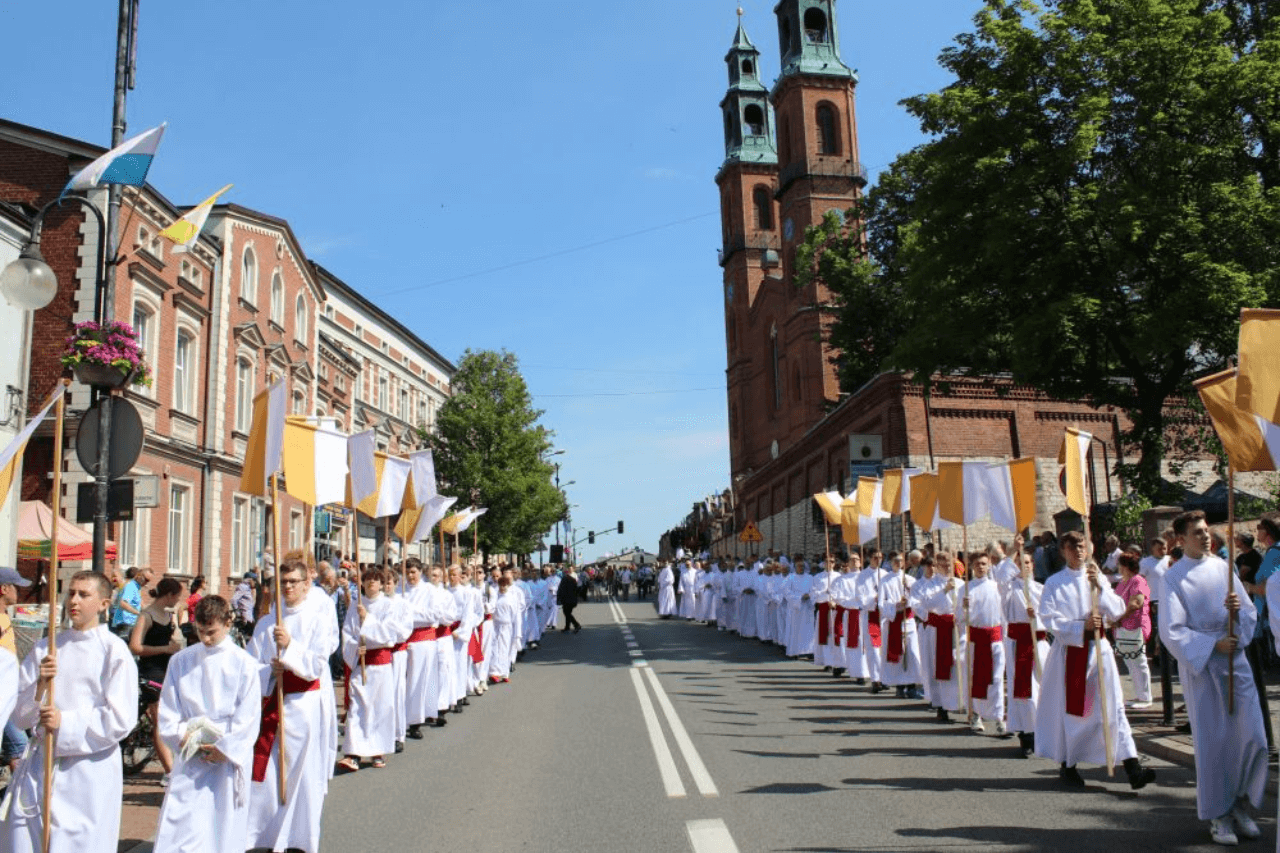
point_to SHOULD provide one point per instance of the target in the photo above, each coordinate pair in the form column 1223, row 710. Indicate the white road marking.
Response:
column 701, row 777
column 710, row 836
column 666, row 763
column 639, row 662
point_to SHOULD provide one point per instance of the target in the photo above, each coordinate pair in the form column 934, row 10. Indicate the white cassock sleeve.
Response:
column 88, row 731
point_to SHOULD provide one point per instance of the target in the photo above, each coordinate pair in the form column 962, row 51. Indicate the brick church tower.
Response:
column 779, row 373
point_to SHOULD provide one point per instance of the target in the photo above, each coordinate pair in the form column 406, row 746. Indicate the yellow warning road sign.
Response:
column 750, row 533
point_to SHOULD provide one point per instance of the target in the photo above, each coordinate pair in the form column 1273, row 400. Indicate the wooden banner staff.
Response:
column 275, row 552
column 956, row 669
column 968, row 658
column 1104, row 712
column 1231, row 562
column 1035, row 644
column 51, row 596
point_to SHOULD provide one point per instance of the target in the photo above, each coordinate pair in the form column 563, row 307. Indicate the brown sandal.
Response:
column 348, row 765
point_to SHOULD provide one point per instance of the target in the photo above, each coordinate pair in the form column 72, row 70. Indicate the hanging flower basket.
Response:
column 106, row 355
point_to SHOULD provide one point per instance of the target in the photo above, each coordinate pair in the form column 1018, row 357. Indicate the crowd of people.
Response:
column 254, row 715
column 1028, row 638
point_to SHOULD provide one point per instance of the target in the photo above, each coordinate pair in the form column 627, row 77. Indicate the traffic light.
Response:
column 619, row 527
column 591, row 537
column 557, row 553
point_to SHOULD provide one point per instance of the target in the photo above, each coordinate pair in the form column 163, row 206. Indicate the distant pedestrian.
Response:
column 567, row 598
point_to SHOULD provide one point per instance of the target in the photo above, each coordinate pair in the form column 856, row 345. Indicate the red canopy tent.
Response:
column 35, row 524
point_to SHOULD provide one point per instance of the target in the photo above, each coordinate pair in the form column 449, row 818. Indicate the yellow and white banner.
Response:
column 11, row 456
column 1074, row 456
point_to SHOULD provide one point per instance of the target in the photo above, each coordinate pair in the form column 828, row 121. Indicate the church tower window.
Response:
column 815, row 27
column 754, row 118
column 828, row 135
column 764, row 208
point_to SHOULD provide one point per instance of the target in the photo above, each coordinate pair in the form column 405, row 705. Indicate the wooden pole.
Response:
column 1035, row 644
column 51, row 595
column 1104, row 711
column 956, row 669
column 275, row 551
column 968, row 658
column 1231, row 564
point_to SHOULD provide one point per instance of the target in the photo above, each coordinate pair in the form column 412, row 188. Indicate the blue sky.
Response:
column 529, row 176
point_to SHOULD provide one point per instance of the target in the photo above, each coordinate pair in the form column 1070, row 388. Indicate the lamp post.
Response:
column 30, row 283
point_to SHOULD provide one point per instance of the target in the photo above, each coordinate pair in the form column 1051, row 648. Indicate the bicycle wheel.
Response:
column 138, row 748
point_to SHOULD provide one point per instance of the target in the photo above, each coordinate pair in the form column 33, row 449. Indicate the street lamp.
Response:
column 30, row 283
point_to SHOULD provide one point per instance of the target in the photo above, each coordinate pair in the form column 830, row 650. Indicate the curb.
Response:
column 1177, row 752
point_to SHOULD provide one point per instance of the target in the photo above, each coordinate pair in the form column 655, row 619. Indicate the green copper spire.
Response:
column 809, row 40
column 748, row 119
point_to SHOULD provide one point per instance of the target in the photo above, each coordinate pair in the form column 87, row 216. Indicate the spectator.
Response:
column 1247, row 558
column 15, row 739
column 242, row 604
column 197, row 584
column 129, row 602
column 156, row 638
column 1134, row 629
column 1260, row 645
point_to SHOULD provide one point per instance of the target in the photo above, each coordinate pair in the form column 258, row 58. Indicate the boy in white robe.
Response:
column 421, row 663
column 689, row 591
column 846, row 623
column 925, row 634
column 824, row 646
column 900, row 661
column 96, row 690
column 981, row 617
column 210, row 710
column 326, row 616
column 666, row 592
column 400, row 652
column 504, row 624
column 1069, row 725
column 372, row 625
column 446, row 610
column 1197, row 605
column 871, row 623
column 945, row 640
column 296, row 653
column 1025, row 642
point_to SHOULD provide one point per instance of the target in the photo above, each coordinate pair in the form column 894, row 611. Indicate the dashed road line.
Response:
column 710, row 836
column 666, row 762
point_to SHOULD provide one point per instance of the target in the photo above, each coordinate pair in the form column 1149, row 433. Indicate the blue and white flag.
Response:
column 127, row 163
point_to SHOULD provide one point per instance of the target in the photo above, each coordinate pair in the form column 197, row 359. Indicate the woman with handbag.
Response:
column 1134, row 629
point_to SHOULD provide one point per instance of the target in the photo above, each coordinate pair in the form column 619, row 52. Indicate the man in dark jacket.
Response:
column 567, row 598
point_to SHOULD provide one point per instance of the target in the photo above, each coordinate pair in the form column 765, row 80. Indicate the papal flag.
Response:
column 469, row 518
column 431, row 513
column 1011, row 493
column 11, row 456
column 961, row 495
column 849, row 522
column 924, row 503
column 896, row 492
column 184, row 231
column 361, row 456
column 1243, row 434
column 127, row 163
column 1258, row 377
column 314, row 461
column 829, row 503
column 423, row 466
column 1074, row 457
column 265, row 447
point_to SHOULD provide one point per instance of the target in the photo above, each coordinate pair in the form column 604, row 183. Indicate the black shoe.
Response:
column 1139, row 775
column 399, row 747
column 826, row 669
column 877, row 687
column 837, row 672
column 901, row 692
column 943, row 716
column 859, row 681
column 1070, row 776
column 415, row 732
column 464, row 701
column 1027, row 743
column 577, row 630
column 1184, row 729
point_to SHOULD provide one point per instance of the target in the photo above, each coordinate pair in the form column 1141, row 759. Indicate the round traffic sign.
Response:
column 126, row 438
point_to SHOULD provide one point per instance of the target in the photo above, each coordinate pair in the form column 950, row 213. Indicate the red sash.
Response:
column 945, row 658
column 421, row 634
column 897, row 640
column 1078, row 704
column 853, row 629
column 824, row 624
column 271, row 721
column 443, row 631
column 1024, row 652
column 873, row 626
column 488, row 617
column 980, row 642
column 377, row 657
column 401, row 647
column 838, row 621
column 474, row 649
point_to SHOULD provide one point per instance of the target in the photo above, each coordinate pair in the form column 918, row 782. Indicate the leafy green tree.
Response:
column 1099, row 197
column 489, row 449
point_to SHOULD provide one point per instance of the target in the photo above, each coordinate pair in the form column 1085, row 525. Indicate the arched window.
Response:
column 249, row 276
column 764, row 208
column 748, row 68
column 183, row 371
column 828, row 134
column 144, row 326
column 300, row 319
column 277, row 300
column 754, row 118
column 815, row 27
column 244, row 394
column 776, row 368
column 784, row 35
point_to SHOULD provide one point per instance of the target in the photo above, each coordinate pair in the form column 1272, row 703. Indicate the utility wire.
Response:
column 633, row 393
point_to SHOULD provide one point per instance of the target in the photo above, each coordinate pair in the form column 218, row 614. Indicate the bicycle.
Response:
column 138, row 747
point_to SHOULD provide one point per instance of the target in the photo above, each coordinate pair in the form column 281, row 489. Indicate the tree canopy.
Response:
column 1098, row 198
column 489, row 449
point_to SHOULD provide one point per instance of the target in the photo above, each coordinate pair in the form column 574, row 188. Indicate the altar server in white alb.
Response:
column 505, row 620
column 323, row 611
column 373, row 624
column 96, row 690
column 1069, row 726
column 294, row 652
column 826, row 652
column 666, row 592
column 1024, row 643
column 900, row 663
column 689, row 591
column 1196, row 606
column 946, row 642
column 209, row 715
column 982, row 623
column 916, row 597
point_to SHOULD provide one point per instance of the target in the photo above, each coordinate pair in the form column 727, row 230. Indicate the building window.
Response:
column 753, row 116
column 328, row 311
column 295, row 530
column 764, row 208
column 249, row 276
column 422, row 412
column 386, row 348
column 277, row 300
column 239, row 536
column 300, row 319
column 382, row 393
column 244, row 394
column 144, row 326
column 828, row 135
column 775, row 368
column 257, row 530
column 183, row 372
column 179, row 532
column 339, row 382
column 404, row 404
column 815, row 27
column 299, row 403
column 127, row 544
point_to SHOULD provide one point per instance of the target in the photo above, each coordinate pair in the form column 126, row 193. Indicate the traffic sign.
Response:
column 126, row 438
column 750, row 533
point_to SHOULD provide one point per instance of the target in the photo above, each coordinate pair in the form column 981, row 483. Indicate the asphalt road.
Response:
column 642, row 734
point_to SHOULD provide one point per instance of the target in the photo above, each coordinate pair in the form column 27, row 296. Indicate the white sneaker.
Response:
column 976, row 726
column 1138, row 706
column 164, row 781
column 1223, row 832
column 1001, row 728
column 1245, row 825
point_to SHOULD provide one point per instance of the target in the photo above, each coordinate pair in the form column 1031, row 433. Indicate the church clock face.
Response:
column 789, row 228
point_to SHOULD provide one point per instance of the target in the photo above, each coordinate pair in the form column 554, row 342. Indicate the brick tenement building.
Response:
column 790, row 433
